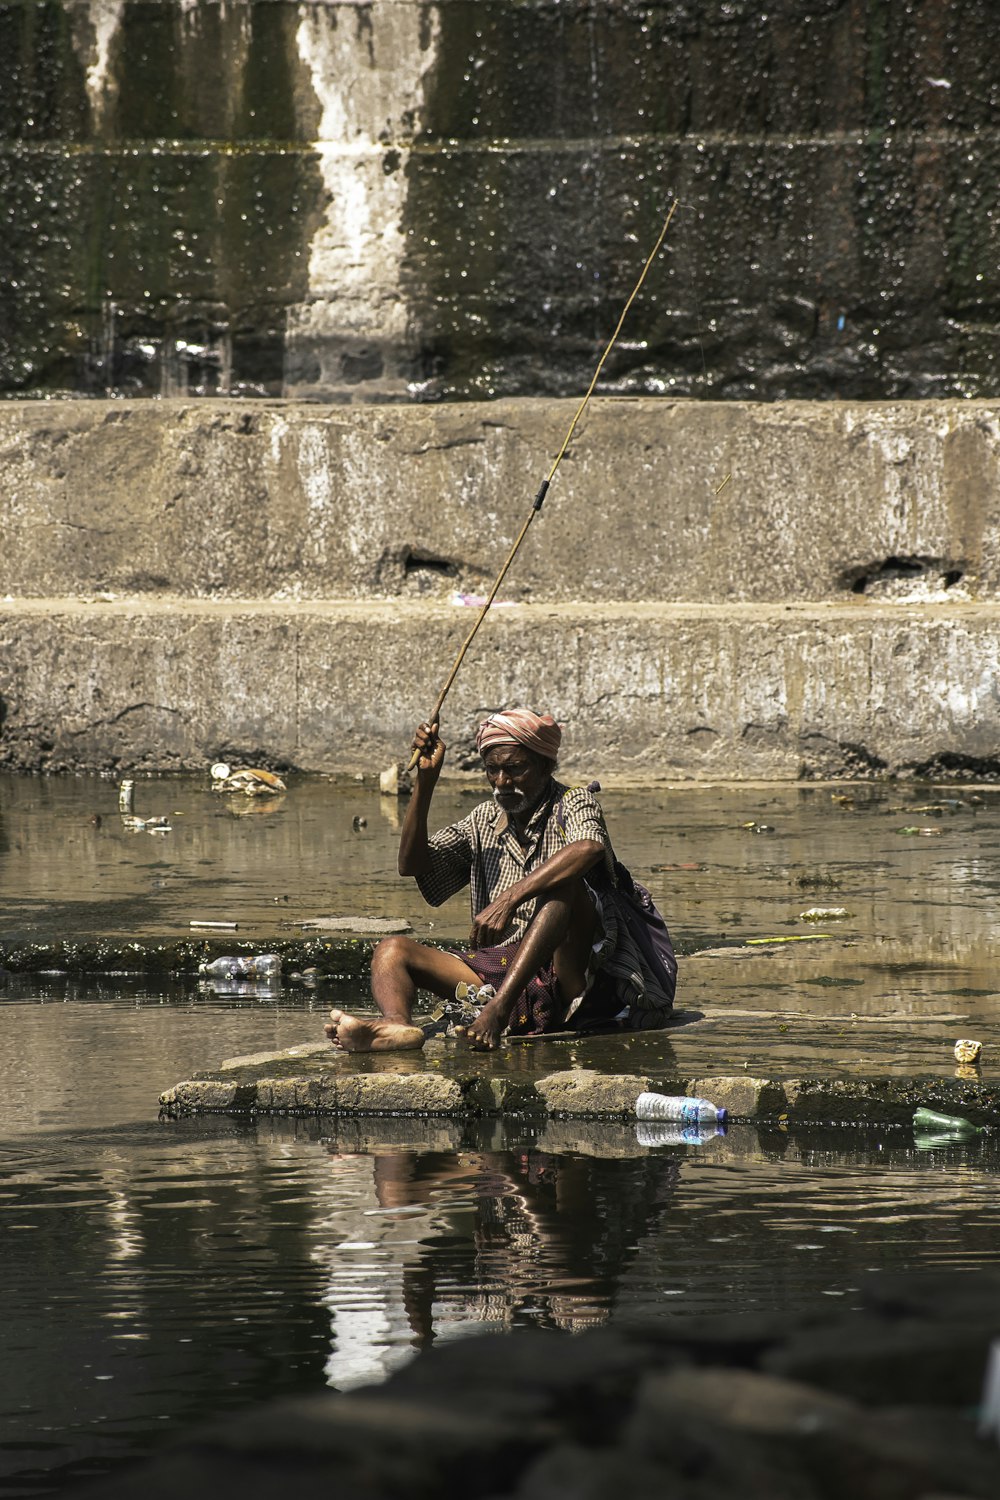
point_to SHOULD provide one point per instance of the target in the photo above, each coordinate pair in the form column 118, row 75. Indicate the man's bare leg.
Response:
column 400, row 967
column 562, row 934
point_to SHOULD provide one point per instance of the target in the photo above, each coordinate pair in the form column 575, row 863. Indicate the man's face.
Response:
column 517, row 776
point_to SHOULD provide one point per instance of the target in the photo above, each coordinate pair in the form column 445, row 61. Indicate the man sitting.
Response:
column 551, row 947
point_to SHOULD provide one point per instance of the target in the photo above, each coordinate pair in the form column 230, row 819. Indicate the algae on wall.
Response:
column 411, row 200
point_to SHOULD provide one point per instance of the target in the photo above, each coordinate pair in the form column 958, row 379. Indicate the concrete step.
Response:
column 656, row 500
column 670, row 691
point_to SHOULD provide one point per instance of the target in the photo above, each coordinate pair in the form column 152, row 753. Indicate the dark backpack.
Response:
column 640, row 914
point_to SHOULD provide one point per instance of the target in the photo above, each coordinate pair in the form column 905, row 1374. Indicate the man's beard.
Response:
column 515, row 802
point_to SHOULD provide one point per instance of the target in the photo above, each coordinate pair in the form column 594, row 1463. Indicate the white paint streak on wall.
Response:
column 104, row 17
column 367, row 66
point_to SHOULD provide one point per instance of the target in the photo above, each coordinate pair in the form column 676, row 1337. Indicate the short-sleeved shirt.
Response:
column 482, row 851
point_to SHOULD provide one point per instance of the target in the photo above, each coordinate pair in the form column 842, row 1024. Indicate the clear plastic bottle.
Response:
column 679, row 1108
column 243, row 966
column 665, row 1133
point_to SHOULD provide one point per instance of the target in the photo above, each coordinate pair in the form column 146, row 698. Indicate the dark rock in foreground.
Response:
column 878, row 1404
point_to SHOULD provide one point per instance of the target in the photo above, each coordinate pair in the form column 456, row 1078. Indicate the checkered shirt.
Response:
column 483, row 851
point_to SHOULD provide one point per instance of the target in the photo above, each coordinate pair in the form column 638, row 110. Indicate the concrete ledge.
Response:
column 314, row 502
column 667, row 691
column 340, row 958
column 304, row 1085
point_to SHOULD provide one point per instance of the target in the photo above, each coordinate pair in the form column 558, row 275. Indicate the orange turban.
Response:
column 519, row 726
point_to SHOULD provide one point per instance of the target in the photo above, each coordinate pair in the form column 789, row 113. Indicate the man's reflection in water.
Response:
column 516, row 1238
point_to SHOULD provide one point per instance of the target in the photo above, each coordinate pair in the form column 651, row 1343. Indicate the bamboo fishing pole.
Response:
column 544, row 486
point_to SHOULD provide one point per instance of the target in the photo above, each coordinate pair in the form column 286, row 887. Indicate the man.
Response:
column 552, row 945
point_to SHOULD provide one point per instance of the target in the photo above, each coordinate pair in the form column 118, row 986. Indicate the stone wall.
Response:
column 409, row 199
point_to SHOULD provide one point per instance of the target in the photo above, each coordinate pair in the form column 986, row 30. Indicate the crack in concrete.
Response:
column 133, row 708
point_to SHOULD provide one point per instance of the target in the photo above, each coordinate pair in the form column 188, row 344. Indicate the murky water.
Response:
column 158, row 1272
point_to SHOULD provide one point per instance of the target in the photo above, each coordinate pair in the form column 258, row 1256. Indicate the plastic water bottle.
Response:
column 665, row 1133
column 260, row 966
column 679, row 1108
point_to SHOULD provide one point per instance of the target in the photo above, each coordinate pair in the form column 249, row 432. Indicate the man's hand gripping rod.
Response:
column 543, row 487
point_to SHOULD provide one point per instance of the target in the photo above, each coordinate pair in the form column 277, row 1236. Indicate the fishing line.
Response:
column 544, row 486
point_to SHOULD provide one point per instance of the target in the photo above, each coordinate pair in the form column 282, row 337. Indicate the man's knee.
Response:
column 573, row 903
column 394, row 953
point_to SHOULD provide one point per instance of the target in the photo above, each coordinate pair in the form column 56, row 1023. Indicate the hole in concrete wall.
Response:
column 145, row 583
column 908, row 577
column 415, row 561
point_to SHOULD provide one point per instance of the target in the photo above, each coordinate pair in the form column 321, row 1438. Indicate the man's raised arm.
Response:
column 414, row 851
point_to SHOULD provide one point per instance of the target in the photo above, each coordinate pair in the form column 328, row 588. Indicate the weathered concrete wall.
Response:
column 711, row 589
column 665, row 691
column 399, row 199
column 656, row 500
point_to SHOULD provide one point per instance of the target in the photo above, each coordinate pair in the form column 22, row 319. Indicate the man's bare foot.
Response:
column 359, row 1034
column 486, row 1031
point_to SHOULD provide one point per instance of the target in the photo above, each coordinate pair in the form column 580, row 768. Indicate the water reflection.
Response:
column 155, row 1274
column 486, row 1240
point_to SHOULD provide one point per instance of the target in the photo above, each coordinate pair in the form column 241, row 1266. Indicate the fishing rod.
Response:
column 544, row 486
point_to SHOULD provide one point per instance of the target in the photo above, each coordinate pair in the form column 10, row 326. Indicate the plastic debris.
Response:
column 824, row 914
column 679, row 1109
column 798, row 937
column 448, row 1015
column 267, row 988
column 758, row 827
column 955, row 1126
column 126, row 796
column 242, row 966
column 393, row 781
column 158, row 824
column 662, row 1133
column 477, row 601
column 252, row 783
column 309, row 977
column 382, row 926
column 926, row 833
column 968, row 1052
column 989, row 1405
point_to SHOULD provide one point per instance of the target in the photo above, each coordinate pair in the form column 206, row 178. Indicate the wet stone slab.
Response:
column 303, row 1081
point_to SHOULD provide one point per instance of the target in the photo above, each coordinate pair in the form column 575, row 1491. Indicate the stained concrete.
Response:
column 709, row 592
column 452, row 198
column 667, row 692
column 657, row 501
column 311, row 1080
